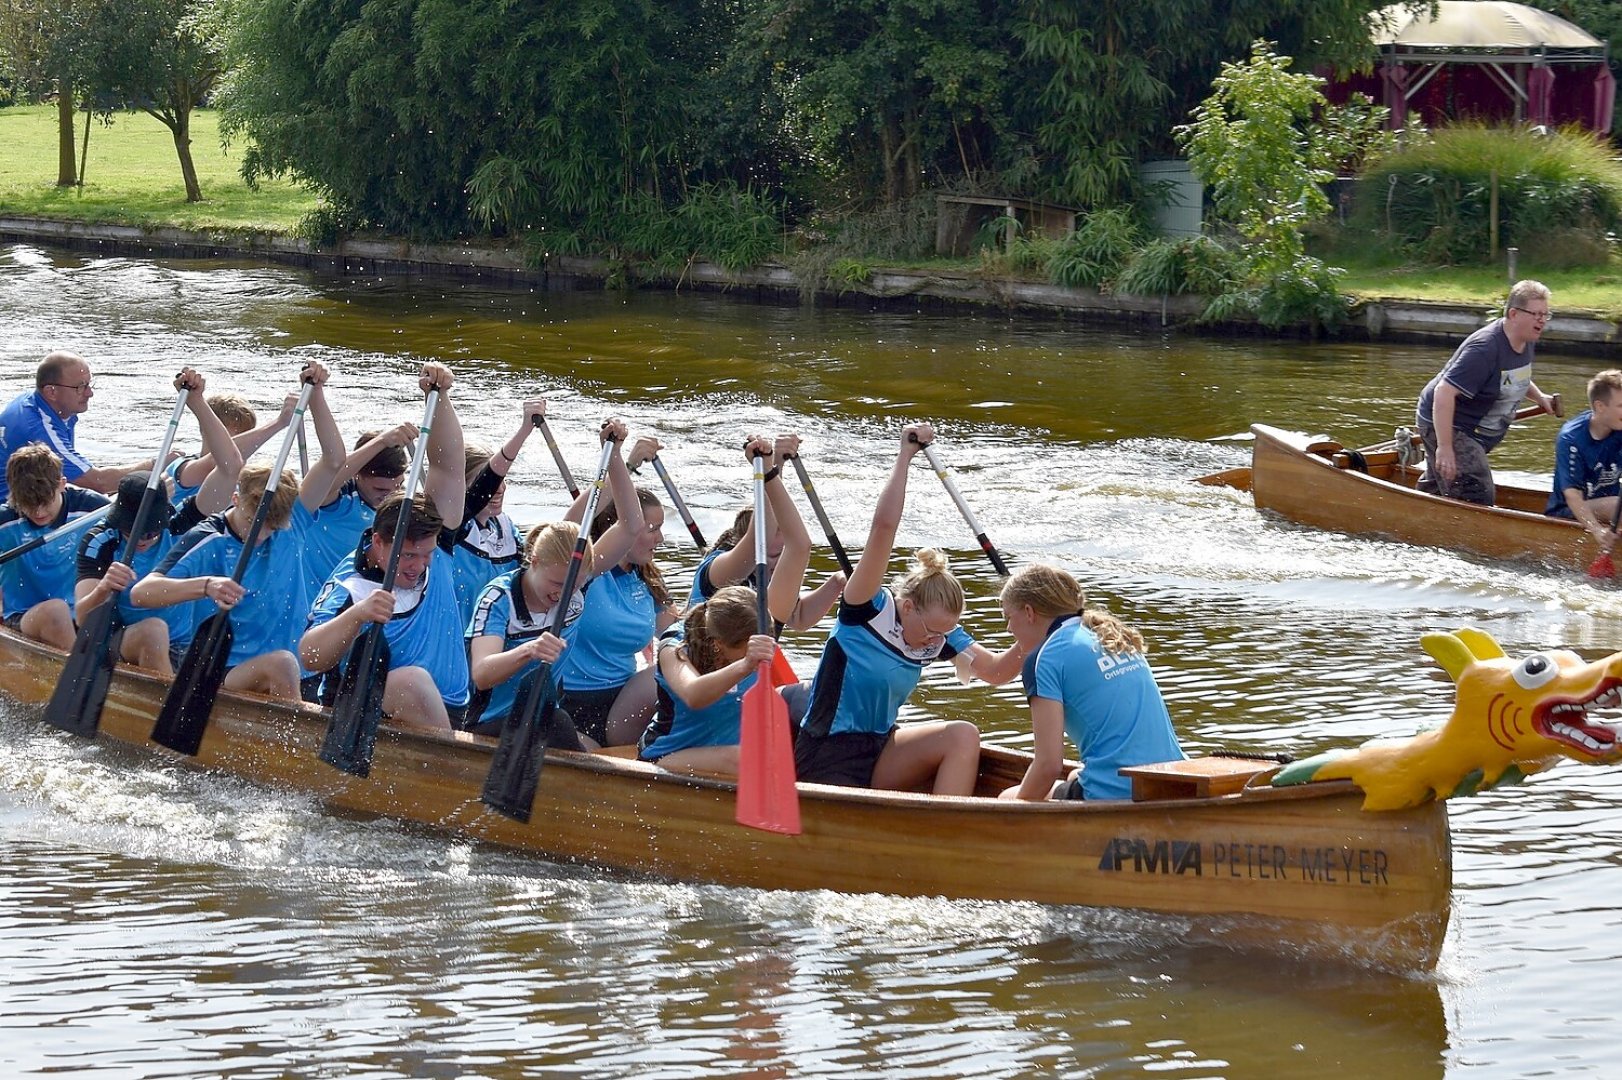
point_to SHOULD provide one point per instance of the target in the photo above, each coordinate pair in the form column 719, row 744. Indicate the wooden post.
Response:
column 1512, row 252
column 1492, row 217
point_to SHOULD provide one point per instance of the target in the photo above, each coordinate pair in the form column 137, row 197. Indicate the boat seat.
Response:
column 1193, row 778
column 626, row 751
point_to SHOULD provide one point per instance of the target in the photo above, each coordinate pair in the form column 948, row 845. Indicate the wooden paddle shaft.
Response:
column 763, row 618
column 963, row 508
column 557, row 456
column 81, row 522
column 676, row 500
column 272, row 482
column 413, row 478
column 154, row 478
column 822, row 516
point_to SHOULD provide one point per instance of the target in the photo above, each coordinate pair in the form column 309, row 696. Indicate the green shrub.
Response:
column 1307, row 291
column 1195, row 264
column 1434, row 196
column 324, row 226
column 1097, row 251
column 831, row 246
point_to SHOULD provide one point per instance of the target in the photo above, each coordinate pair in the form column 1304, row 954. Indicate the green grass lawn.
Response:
column 133, row 176
column 1596, row 289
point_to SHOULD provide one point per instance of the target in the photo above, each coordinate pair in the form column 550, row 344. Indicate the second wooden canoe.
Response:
column 1318, row 482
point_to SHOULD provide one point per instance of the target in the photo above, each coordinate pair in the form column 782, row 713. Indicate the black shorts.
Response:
column 846, row 759
column 1071, row 791
column 589, row 710
column 561, row 734
column 14, row 621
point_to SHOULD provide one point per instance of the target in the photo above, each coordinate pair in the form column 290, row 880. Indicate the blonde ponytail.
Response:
column 1053, row 594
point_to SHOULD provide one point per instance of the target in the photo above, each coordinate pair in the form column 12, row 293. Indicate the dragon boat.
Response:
column 1317, row 481
column 1343, row 856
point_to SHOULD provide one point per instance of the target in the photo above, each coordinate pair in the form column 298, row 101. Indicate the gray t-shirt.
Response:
column 1491, row 378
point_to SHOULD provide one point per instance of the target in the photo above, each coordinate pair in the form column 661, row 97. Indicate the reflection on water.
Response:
column 161, row 922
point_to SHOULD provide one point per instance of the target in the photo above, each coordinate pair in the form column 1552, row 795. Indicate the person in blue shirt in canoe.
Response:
column 268, row 605
column 610, row 699
column 187, row 473
column 1588, row 461
column 486, row 546
column 427, row 686
column 155, row 641
column 1086, row 677
column 710, row 660
column 63, row 387
column 730, row 560
column 36, row 589
column 881, row 642
column 509, row 632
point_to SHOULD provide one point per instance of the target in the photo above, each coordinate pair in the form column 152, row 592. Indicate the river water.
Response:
column 156, row 921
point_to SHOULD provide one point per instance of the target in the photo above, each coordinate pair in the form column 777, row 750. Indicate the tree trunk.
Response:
column 84, row 151
column 887, row 150
column 181, row 129
column 67, row 173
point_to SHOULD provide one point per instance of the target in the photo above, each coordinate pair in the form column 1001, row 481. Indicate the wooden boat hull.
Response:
column 1312, row 483
column 1301, row 867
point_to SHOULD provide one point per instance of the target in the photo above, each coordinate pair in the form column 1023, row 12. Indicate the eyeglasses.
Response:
column 84, row 387
column 1537, row 316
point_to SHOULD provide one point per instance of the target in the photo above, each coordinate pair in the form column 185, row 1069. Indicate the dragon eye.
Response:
column 1534, row 671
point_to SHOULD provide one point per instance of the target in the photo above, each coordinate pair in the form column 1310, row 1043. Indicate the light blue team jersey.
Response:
column 501, row 612
column 616, row 624
column 28, row 418
column 102, row 545
column 47, row 572
column 270, row 615
column 867, row 671
column 330, row 534
column 179, row 493
column 717, row 724
column 703, row 587
column 480, row 554
column 426, row 630
column 1113, row 710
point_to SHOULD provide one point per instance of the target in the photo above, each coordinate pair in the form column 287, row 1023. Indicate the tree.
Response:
column 1105, row 80
column 44, row 40
column 566, row 109
column 160, row 57
column 1251, row 143
column 885, row 94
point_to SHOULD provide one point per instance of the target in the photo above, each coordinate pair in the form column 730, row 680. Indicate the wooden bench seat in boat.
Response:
column 1194, row 778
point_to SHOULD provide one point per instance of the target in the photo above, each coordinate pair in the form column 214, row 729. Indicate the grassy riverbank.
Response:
column 134, row 179
column 133, row 176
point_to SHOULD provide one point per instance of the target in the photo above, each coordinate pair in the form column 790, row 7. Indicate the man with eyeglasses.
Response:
column 1465, row 411
column 62, row 390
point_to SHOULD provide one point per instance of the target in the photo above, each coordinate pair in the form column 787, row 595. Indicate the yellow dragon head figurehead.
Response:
column 1510, row 718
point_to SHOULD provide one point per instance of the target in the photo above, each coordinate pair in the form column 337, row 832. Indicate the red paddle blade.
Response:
column 782, row 670
column 767, row 797
column 1602, row 567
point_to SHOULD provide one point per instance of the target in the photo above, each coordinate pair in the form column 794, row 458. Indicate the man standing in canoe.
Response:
column 1466, row 409
column 1588, row 461
column 63, row 388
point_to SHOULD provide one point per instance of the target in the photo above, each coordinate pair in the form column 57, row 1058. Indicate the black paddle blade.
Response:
column 184, row 715
column 352, row 731
column 515, row 768
column 75, row 704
